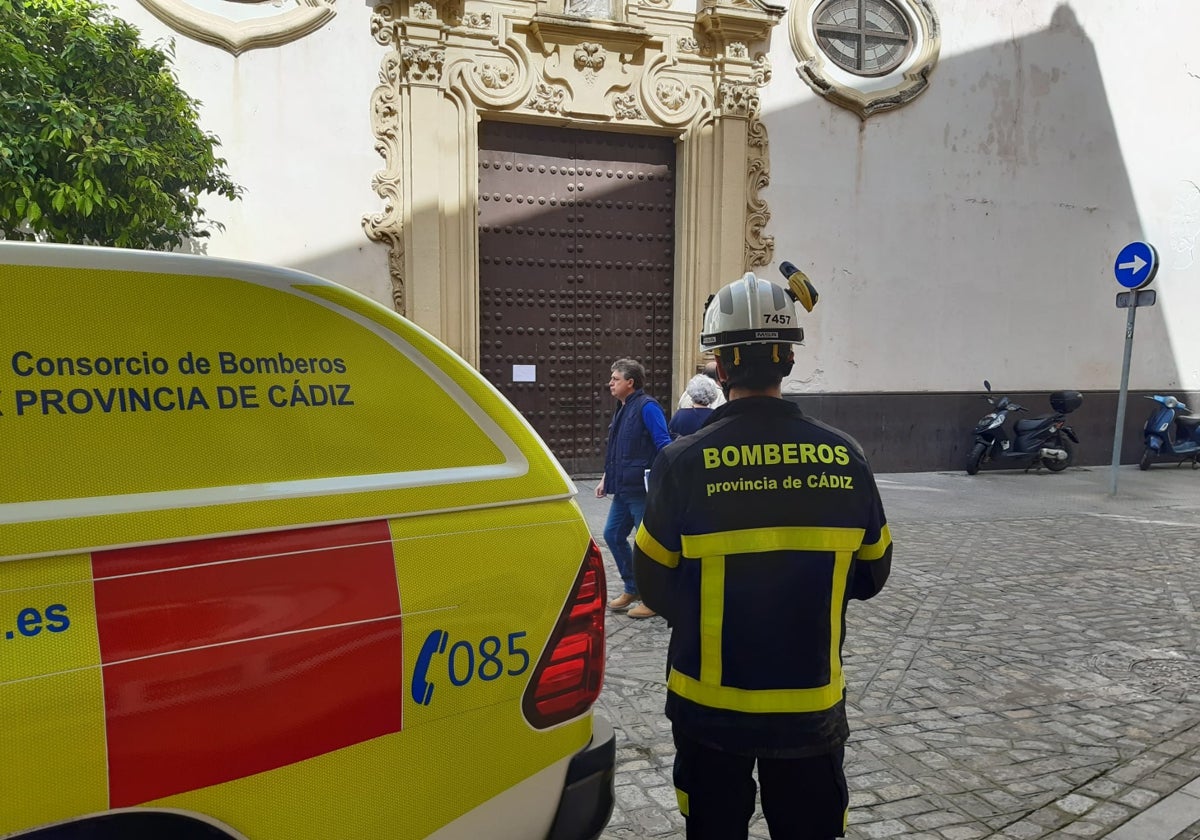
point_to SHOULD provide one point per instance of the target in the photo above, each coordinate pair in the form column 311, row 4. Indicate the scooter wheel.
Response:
column 1053, row 464
column 974, row 458
column 1147, row 459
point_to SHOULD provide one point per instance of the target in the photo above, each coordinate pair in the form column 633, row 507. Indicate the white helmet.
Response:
column 750, row 311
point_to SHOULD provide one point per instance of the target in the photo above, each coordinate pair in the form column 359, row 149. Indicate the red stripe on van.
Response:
column 155, row 599
column 151, row 558
column 232, row 656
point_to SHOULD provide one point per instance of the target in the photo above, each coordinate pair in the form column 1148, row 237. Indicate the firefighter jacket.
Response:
column 759, row 529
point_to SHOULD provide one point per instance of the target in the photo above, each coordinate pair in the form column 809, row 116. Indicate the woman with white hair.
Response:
column 703, row 392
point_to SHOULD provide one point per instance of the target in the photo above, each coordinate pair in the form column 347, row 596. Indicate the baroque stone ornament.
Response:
column 671, row 93
column 423, row 64
column 547, row 99
column 423, row 11
column 495, row 76
column 762, row 70
column 589, row 58
column 237, row 27
column 737, row 50
column 738, row 98
column 387, row 226
column 477, row 20
column 383, row 25
column 760, row 248
column 625, row 107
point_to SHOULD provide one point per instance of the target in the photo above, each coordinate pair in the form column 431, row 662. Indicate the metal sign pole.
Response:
column 1134, row 268
column 1123, row 394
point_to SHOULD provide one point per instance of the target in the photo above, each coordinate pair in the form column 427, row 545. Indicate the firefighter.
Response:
column 758, row 530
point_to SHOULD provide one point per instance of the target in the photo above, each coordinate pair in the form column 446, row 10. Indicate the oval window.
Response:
column 863, row 37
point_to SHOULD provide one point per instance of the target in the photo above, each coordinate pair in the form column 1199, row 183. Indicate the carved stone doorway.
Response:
column 688, row 76
column 576, row 262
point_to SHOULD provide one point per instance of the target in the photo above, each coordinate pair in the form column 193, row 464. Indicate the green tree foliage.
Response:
column 98, row 144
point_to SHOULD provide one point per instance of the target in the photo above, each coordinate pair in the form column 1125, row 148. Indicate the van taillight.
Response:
column 567, row 679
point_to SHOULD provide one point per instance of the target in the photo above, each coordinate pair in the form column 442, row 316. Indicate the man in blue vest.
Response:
column 638, row 431
column 759, row 529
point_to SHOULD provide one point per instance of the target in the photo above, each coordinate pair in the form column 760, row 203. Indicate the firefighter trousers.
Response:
column 802, row 798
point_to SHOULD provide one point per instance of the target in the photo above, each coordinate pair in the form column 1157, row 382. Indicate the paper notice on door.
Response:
column 524, row 373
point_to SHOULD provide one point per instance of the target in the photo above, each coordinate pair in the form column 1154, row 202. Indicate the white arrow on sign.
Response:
column 1137, row 265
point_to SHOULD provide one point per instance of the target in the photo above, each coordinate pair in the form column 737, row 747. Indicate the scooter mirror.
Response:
column 987, row 385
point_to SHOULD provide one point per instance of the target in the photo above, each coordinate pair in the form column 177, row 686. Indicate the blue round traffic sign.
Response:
column 1136, row 265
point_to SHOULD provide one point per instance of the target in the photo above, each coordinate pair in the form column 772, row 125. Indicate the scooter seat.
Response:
column 1189, row 423
column 1032, row 424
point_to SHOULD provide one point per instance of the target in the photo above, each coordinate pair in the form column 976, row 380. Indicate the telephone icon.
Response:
column 422, row 688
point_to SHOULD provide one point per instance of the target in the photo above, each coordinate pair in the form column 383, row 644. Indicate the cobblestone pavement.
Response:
column 1030, row 671
column 1192, row 833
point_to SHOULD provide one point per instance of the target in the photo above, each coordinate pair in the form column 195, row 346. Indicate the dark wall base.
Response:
column 919, row 432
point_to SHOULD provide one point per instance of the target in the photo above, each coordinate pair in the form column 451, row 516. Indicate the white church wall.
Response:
column 294, row 124
column 972, row 233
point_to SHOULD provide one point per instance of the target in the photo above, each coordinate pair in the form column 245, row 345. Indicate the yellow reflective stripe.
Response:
column 682, row 798
column 876, row 549
column 712, row 612
column 755, row 540
column 708, row 691
column 756, row 700
column 841, row 571
column 653, row 549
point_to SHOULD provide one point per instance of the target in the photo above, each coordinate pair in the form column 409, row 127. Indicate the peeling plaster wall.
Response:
column 972, row 233
column 294, row 123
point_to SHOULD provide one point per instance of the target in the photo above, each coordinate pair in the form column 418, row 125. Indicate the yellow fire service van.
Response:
column 275, row 564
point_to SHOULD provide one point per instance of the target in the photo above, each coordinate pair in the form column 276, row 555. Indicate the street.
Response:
column 1030, row 670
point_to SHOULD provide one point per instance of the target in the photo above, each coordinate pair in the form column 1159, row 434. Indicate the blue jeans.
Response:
column 623, row 517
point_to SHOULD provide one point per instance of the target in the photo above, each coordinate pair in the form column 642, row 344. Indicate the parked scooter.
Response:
column 1045, row 440
column 1169, row 431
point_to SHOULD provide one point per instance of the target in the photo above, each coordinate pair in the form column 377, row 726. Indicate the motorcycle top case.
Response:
column 1066, row 401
